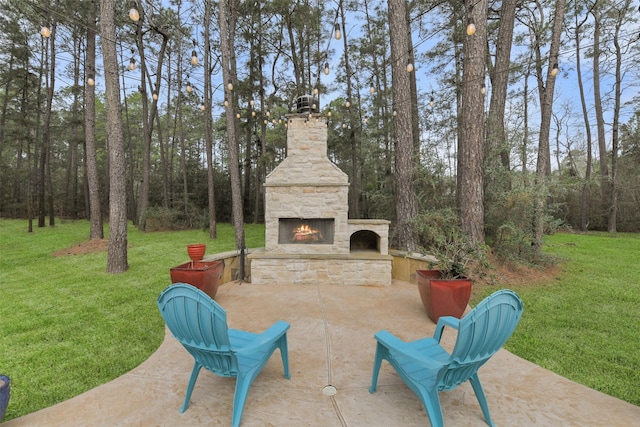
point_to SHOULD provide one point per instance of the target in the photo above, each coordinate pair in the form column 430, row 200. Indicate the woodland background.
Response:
column 555, row 150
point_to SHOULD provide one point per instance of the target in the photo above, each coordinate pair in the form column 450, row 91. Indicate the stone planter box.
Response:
column 204, row 275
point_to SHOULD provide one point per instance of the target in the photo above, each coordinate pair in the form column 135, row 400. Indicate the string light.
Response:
column 226, row 103
column 252, row 103
column 90, row 80
column 372, row 89
column 202, row 107
column 337, row 32
column 230, row 85
column 471, row 26
column 154, row 96
column 347, row 104
column 132, row 64
column 194, row 58
column 253, row 114
column 133, row 12
column 555, row 70
column 45, row 31
column 326, row 68
column 315, row 90
column 483, row 89
column 237, row 115
column 409, row 66
column 189, row 88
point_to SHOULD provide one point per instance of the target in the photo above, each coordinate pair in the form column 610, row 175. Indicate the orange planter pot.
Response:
column 443, row 297
column 204, row 275
column 196, row 251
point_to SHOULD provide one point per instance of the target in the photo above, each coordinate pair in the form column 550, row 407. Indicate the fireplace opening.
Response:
column 364, row 241
column 318, row 231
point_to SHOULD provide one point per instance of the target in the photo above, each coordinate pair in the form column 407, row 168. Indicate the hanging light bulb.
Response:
column 337, row 32
column 326, row 68
column 154, row 95
column 230, row 85
column 315, row 90
column 237, row 115
column 329, row 114
column 471, row 27
column 268, row 113
column 279, row 121
column 344, row 126
column 252, row 102
column 132, row 64
column 265, row 121
column 431, row 102
column 409, row 66
column 347, row 104
column 555, row 70
column 202, row 107
column 226, row 103
column 45, row 31
column 372, row 89
column 189, row 88
column 90, row 80
column 314, row 106
column 253, row 114
column 273, row 121
column 194, row 58
column 483, row 89
column 366, row 120
column 395, row 113
column 133, row 12
column 310, row 115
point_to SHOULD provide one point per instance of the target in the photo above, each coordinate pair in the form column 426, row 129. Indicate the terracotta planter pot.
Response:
column 443, row 297
column 204, row 275
column 196, row 251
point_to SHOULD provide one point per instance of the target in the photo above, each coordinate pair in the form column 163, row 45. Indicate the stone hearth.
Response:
column 309, row 238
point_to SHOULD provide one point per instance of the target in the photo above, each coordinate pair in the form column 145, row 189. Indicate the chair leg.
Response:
column 377, row 362
column 431, row 401
column 192, row 382
column 482, row 399
column 284, row 353
column 240, row 398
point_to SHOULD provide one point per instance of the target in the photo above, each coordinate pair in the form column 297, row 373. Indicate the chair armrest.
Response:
column 443, row 321
column 395, row 344
column 269, row 336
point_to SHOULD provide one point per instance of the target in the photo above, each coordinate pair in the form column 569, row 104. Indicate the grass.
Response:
column 585, row 324
column 67, row 326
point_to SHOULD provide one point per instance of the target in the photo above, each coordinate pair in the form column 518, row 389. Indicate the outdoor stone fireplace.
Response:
column 309, row 238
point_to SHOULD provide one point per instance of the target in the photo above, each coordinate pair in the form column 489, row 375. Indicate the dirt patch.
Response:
column 88, row 247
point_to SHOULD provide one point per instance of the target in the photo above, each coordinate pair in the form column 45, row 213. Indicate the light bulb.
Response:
column 315, row 91
column 266, row 121
column 268, row 113
column 372, row 89
column 313, row 106
column 133, row 12
column 154, row 96
column 310, row 115
column 189, row 88
column 194, row 58
column 395, row 113
column 555, row 70
column 45, row 31
column 326, row 69
column 90, row 81
column 409, row 67
column 237, row 115
column 202, row 107
column 337, row 32
column 253, row 114
column 252, row 102
column 471, row 27
column 329, row 114
column 483, row 89
column 132, row 64
column 347, row 104
column 431, row 103
column 230, row 86
column 344, row 126
column 280, row 121
column 273, row 121
column 226, row 103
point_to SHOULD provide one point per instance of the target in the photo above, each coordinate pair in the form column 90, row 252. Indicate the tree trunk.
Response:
column 117, row 253
column 406, row 203
column 605, row 199
column 543, row 166
column 470, row 146
column 211, row 193
column 228, row 18
column 96, row 230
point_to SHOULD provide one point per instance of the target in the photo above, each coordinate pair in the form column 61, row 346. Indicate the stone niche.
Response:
column 308, row 236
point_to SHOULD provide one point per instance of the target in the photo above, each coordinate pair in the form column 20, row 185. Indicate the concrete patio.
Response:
column 330, row 343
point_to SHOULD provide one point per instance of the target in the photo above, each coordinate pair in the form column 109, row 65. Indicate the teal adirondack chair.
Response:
column 200, row 325
column 427, row 368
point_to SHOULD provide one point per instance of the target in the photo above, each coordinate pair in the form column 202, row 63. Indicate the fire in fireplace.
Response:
column 305, row 231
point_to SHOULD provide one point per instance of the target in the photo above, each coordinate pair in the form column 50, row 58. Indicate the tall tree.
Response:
column 543, row 166
column 117, row 252
column 470, row 145
column 208, row 69
column 406, row 203
column 96, row 230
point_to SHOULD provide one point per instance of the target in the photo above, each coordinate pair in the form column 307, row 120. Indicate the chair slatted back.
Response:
column 482, row 332
column 200, row 325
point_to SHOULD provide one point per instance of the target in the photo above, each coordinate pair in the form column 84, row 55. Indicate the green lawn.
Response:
column 67, row 326
column 585, row 324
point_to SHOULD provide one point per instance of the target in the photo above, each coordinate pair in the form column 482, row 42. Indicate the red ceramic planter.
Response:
column 443, row 297
column 196, row 251
column 204, row 275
